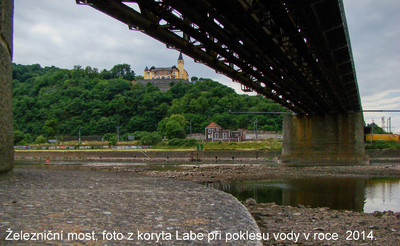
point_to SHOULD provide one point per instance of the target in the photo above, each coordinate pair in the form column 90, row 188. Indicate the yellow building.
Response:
column 167, row 72
column 386, row 137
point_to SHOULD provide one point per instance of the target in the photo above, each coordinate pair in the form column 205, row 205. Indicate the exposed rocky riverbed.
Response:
column 324, row 226
column 228, row 172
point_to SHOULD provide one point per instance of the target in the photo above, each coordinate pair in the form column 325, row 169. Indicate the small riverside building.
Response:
column 215, row 133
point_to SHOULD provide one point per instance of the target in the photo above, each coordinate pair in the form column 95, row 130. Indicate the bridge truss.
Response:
column 296, row 53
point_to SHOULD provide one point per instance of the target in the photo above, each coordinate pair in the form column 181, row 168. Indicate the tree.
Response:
column 18, row 136
column 148, row 138
column 194, row 79
column 376, row 129
column 50, row 128
column 40, row 140
column 178, row 118
column 124, row 71
column 113, row 140
column 138, row 77
column 174, row 130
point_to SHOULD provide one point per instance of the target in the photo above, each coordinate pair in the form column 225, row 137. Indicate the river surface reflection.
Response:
column 357, row 194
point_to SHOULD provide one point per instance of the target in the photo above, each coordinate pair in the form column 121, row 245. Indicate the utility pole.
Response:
column 118, row 129
column 255, row 127
column 190, row 129
column 372, row 135
column 79, row 139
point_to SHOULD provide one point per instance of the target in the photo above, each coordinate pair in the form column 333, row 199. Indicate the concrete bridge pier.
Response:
column 336, row 139
column 6, row 128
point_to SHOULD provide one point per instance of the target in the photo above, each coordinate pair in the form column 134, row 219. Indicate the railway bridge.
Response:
column 297, row 53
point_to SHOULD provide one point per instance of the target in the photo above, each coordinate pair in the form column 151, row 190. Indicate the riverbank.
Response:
column 148, row 156
column 202, row 173
column 173, row 156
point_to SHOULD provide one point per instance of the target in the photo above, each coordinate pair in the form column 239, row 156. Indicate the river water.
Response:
column 357, row 194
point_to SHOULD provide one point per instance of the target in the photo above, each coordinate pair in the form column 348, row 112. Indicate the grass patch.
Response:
column 383, row 145
column 191, row 144
column 271, row 144
column 177, row 144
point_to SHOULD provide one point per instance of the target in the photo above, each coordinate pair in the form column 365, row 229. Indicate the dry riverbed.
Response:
column 311, row 226
column 235, row 172
column 323, row 226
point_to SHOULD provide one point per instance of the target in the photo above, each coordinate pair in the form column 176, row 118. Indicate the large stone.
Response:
column 336, row 139
column 6, row 129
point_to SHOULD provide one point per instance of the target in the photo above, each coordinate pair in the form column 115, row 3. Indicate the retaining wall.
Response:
column 133, row 156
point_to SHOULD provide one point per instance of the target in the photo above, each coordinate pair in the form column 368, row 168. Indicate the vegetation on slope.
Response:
column 51, row 103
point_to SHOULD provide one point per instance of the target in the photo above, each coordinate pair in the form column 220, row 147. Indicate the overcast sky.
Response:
column 64, row 34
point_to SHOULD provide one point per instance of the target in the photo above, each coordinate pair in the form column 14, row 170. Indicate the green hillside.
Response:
column 56, row 102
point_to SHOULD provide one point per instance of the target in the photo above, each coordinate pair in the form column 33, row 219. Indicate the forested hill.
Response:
column 58, row 102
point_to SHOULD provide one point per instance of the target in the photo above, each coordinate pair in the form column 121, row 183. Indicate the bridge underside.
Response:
column 296, row 53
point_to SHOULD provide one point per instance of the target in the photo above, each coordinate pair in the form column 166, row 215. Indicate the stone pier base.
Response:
column 6, row 130
column 323, row 140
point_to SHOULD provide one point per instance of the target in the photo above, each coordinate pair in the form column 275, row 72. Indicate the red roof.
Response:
column 213, row 125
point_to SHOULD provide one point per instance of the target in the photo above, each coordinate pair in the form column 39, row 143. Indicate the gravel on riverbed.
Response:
column 321, row 224
column 235, row 172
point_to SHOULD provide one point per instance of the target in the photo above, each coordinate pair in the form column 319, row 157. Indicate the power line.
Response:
column 259, row 112
column 381, row 111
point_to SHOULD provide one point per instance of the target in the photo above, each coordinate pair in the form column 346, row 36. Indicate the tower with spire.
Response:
column 181, row 63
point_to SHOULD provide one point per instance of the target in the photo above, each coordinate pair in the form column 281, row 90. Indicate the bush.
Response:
column 18, row 137
column 139, row 134
column 148, row 138
column 112, row 140
column 22, row 143
column 383, row 145
column 108, row 136
column 40, row 140
column 182, row 142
